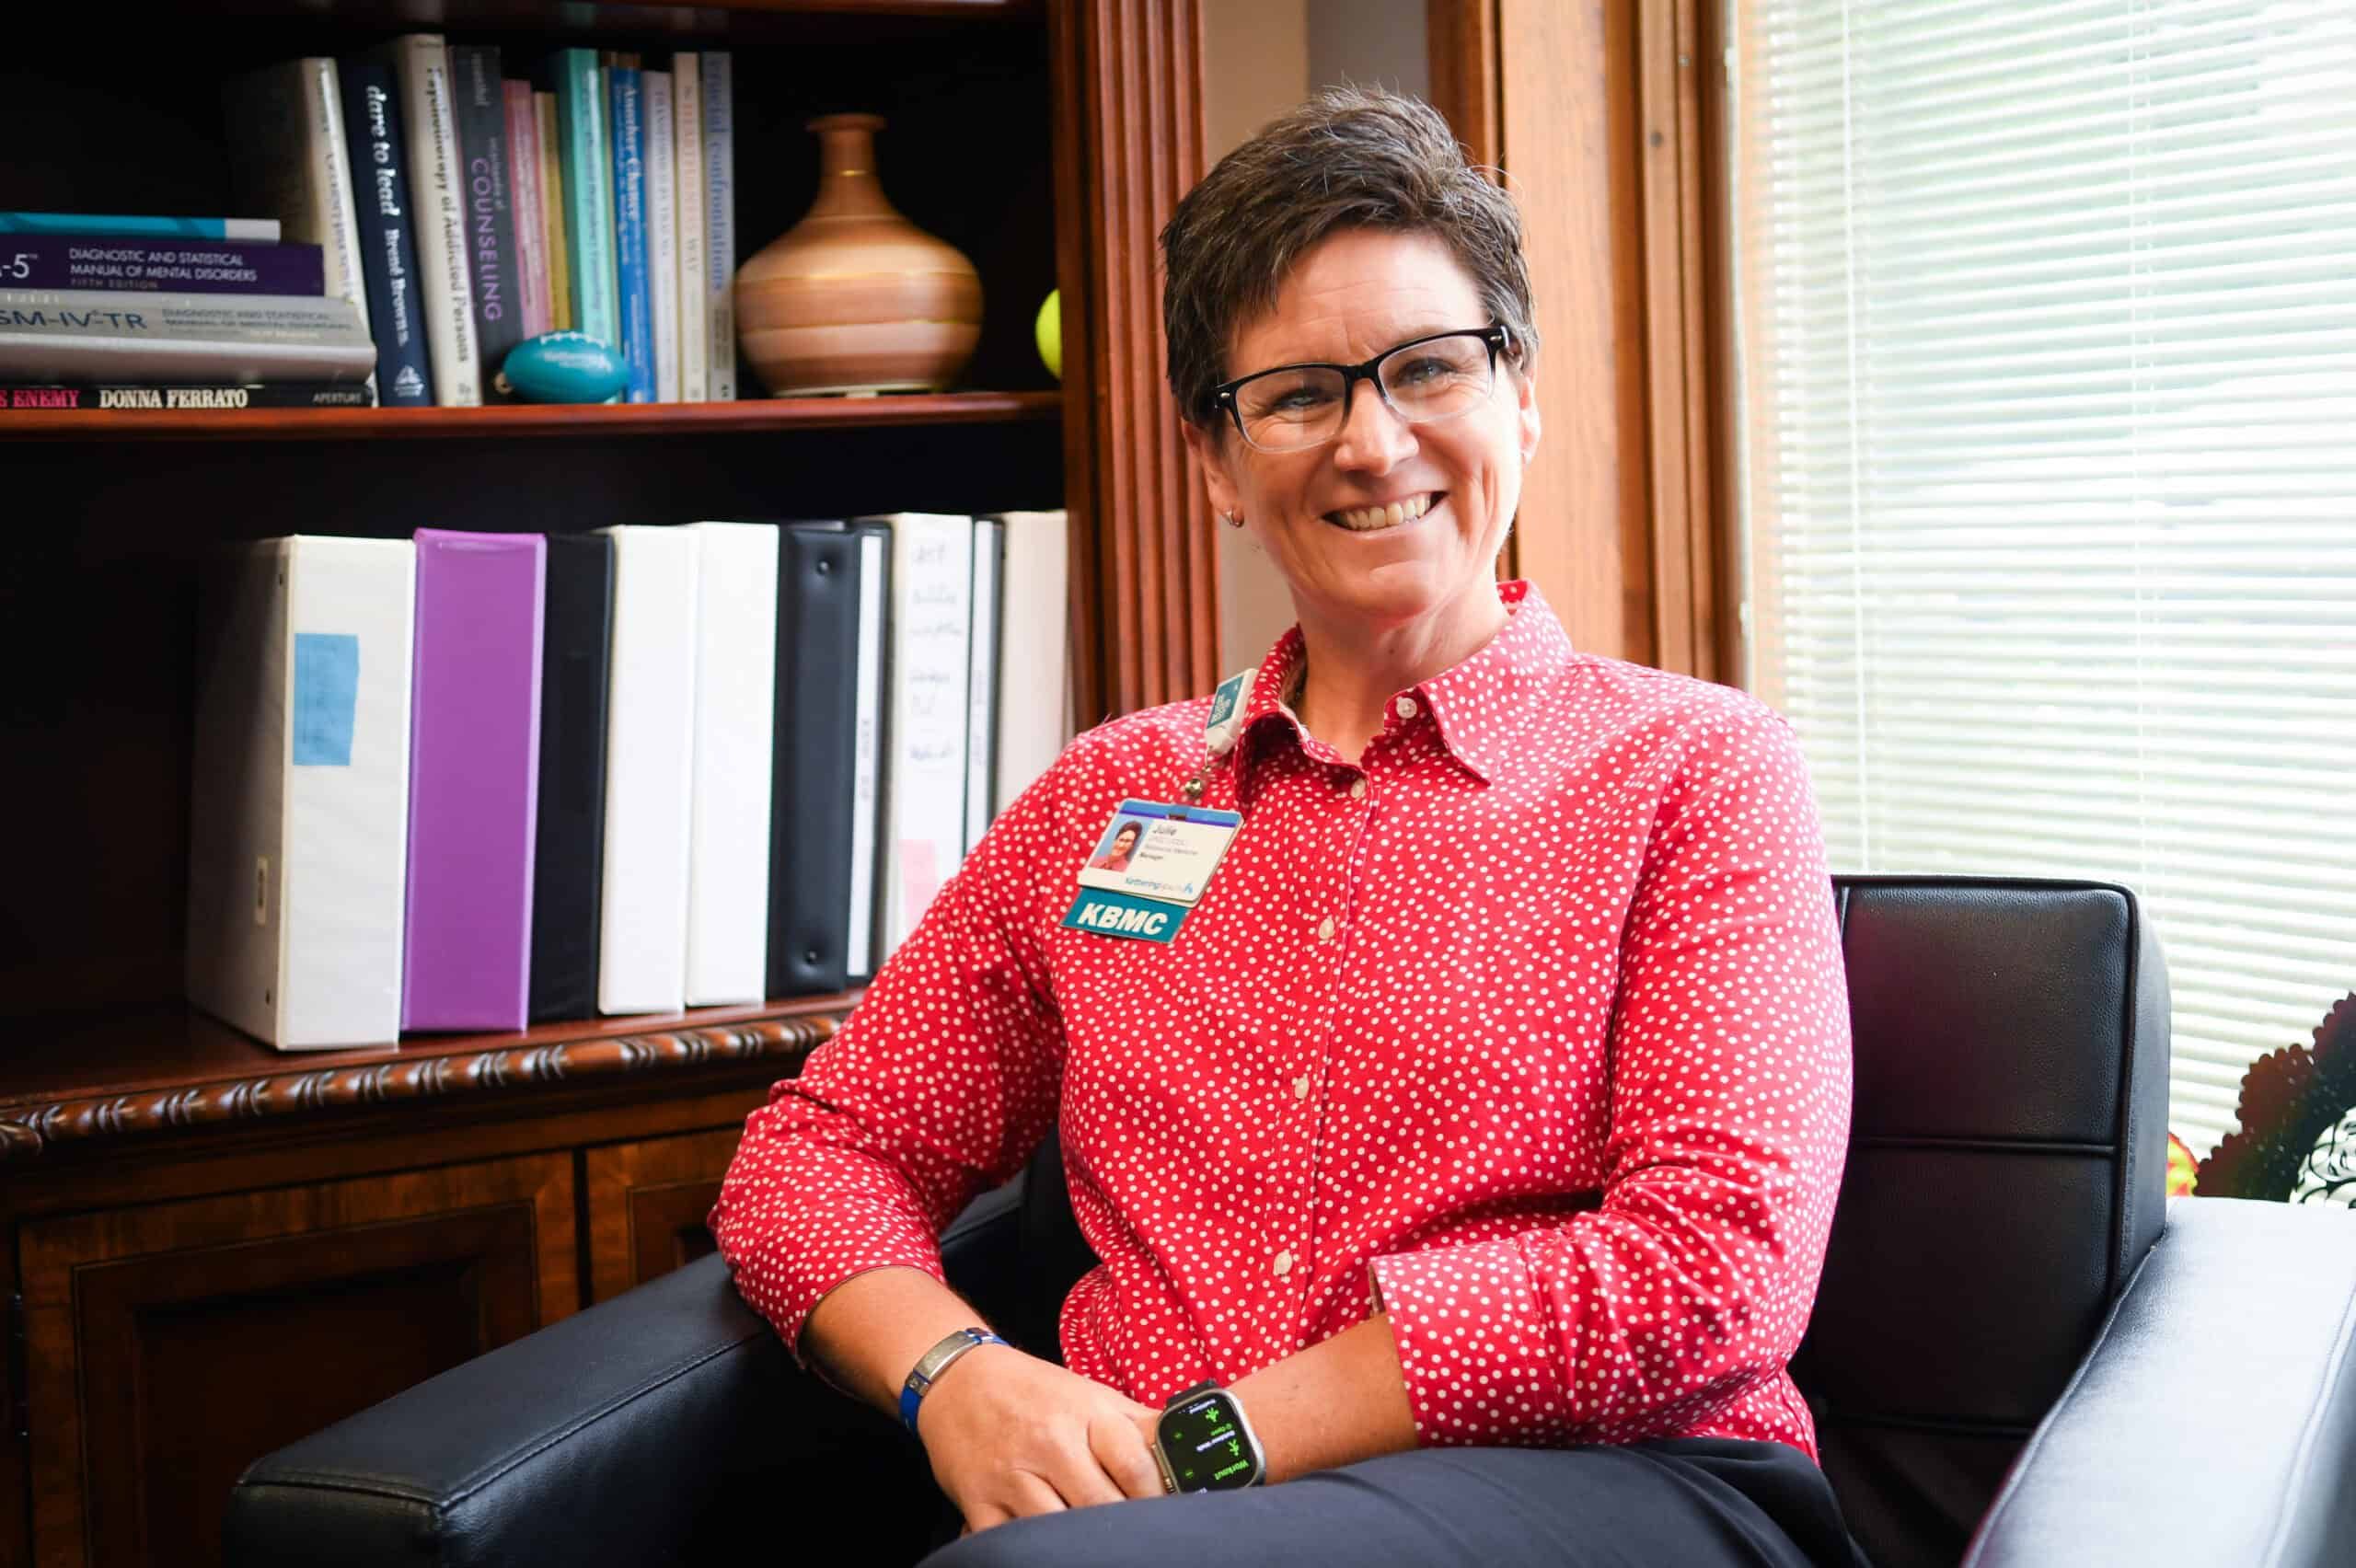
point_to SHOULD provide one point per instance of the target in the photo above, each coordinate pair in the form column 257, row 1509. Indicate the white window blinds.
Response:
column 2047, row 365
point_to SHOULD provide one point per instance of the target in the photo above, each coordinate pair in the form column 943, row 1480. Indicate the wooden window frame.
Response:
column 1609, row 122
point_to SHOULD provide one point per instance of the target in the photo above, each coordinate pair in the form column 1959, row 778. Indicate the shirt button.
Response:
column 1325, row 929
column 1405, row 707
column 1301, row 1086
column 1282, row 1264
column 1357, row 789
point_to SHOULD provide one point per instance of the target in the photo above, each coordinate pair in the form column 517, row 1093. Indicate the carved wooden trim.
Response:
column 1144, row 566
column 28, row 1130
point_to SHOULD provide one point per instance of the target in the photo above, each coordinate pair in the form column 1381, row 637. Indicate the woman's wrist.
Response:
column 869, row 1331
column 1335, row 1403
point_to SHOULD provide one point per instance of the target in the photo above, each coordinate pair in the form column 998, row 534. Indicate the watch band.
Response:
column 932, row 1364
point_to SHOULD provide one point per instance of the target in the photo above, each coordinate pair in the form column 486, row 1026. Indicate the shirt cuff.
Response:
column 1476, row 1345
column 787, row 1295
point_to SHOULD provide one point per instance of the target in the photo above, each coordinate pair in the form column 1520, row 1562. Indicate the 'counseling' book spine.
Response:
column 492, row 265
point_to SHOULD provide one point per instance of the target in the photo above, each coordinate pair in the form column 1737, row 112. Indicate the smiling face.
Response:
column 1389, row 524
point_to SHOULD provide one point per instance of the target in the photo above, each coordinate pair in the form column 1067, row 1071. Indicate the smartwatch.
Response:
column 1203, row 1444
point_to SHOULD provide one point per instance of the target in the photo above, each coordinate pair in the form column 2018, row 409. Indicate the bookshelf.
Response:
column 518, row 421
column 214, row 1248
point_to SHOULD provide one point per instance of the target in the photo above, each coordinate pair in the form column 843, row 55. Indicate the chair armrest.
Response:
column 2214, row 1421
column 606, row 1437
column 596, row 1439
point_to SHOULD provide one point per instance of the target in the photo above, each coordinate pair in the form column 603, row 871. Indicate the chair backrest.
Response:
column 2007, row 1172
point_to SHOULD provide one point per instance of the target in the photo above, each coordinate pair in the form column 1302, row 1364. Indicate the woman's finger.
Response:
column 1078, row 1475
column 1119, row 1447
column 1027, row 1496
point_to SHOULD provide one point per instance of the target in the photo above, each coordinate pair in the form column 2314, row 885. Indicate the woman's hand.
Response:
column 1010, row 1436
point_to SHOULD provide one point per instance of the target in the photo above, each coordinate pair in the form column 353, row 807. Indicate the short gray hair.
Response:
column 1350, row 157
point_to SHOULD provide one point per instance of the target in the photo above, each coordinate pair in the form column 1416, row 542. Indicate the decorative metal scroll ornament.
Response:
column 2328, row 1173
column 2297, row 1140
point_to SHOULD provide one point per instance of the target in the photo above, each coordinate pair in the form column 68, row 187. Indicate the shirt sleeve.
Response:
column 1691, row 1282
column 941, row 1085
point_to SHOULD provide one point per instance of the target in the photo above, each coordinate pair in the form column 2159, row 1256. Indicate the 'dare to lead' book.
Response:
column 300, row 809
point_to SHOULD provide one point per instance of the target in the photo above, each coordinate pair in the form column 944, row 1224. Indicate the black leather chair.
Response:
column 2021, row 1353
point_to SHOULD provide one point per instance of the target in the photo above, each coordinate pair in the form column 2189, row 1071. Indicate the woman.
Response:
column 1124, row 844
column 1480, row 1127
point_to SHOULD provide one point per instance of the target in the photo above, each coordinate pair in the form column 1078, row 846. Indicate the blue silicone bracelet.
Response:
column 913, row 1392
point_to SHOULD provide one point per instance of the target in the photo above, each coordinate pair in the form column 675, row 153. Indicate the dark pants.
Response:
column 1690, row 1503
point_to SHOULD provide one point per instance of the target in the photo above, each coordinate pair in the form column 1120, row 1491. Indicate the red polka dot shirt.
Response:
column 1528, row 1028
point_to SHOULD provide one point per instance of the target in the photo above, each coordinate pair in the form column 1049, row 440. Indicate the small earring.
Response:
column 1230, row 519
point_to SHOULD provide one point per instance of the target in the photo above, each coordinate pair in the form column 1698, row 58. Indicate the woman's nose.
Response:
column 1373, row 437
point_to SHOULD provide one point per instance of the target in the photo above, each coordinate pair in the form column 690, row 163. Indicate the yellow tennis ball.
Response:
column 1050, row 331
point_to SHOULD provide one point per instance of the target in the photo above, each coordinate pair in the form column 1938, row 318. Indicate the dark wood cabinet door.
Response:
column 647, row 1202
column 168, row 1346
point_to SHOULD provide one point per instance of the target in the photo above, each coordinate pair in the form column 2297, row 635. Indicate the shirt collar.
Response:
column 1475, row 706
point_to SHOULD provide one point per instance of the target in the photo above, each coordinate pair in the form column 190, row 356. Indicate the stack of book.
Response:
column 415, row 215
column 131, row 312
column 468, row 782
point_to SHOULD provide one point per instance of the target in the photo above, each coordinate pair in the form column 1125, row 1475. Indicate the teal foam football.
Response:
column 564, row 367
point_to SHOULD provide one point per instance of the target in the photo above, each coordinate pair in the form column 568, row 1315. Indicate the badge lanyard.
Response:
column 1156, row 858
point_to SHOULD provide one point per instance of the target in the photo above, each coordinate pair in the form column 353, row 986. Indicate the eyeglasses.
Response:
column 1424, row 381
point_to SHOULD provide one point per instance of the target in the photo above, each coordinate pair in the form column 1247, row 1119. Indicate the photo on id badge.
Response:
column 1157, row 851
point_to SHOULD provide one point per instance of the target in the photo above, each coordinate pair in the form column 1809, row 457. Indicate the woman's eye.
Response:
column 1415, row 373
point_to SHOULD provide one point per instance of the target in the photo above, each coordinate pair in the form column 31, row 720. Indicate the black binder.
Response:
column 569, row 855
column 812, row 774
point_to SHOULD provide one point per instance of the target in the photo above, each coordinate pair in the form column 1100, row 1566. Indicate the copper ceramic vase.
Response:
column 854, row 297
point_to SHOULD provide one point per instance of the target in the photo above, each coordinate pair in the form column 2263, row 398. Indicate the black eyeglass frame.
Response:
column 1497, row 336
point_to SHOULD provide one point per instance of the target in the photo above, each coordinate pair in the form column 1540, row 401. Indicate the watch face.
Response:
column 1204, row 1443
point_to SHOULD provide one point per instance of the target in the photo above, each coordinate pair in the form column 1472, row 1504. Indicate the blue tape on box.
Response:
column 327, row 693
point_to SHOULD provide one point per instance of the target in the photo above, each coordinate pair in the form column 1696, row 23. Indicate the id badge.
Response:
column 1148, row 867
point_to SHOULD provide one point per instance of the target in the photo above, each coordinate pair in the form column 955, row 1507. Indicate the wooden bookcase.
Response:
column 212, row 1248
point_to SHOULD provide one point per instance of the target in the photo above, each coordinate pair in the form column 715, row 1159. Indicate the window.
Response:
column 2045, row 322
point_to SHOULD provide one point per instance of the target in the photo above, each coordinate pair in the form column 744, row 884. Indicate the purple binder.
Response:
column 474, row 771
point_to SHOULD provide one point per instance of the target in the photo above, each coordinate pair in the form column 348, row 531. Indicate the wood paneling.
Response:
column 1569, row 114
column 1460, row 43
column 1685, row 356
column 1141, row 524
column 647, row 1203
column 1607, row 116
column 168, row 1346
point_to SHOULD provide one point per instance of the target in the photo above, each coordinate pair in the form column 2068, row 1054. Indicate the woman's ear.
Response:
column 1206, row 447
column 1526, row 414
